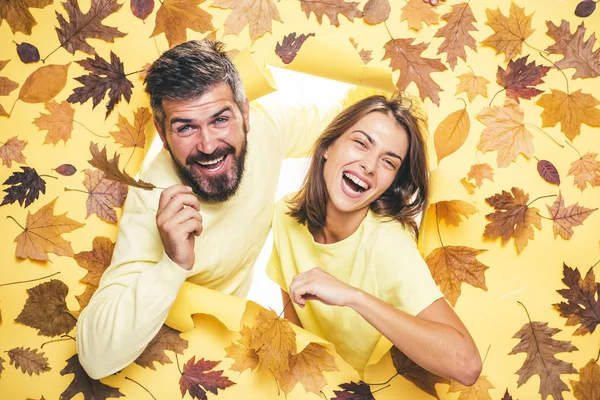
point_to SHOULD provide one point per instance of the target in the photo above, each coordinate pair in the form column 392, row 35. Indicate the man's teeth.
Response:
column 211, row 162
column 357, row 180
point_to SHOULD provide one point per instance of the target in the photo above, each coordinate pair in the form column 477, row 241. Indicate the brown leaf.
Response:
column 509, row 32
column 416, row 12
column 571, row 110
column 307, row 368
column 457, row 34
column 290, row 45
column 512, row 218
column 25, row 187
column 472, row 85
column 30, row 361
column 478, row 391
column 479, row 172
column 582, row 306
column 42, row 234
column 197, row 378
column 274, row 342
column 331, row 8
column 59, row 123
column 46, row 309
column 44, row 83
column 166, row 339
column 12, row 150
column 450, row 266
column 243, row 355
column 353, row 391
column 413, row 68
column 95, row 261
column 505, row 132
column 365, row 56
column 257, row 14
column 6, row 85
column 586, row 169
column 451, row 211
column 565, row 218
column 83, row 300
column 17, row 14
column 175, row 16
column 103, row 195
column 451, row 133
column 376, row 11
column 142, row 8
column 507, row 396
column 577, row 53
column 416, row 374
column 82, row 383
column 111, row 168
column 1, row 365
column 537, row 343
column 133, row 135
column 548, row 171
column 588, row 385
column 520, row 78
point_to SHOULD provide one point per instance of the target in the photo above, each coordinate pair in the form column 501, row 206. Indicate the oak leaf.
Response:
column 12, row 150
column 25, row 187
column 243, row 355
column 353, row 391
column 197, row 378
column 479, row 172
column 509, row 32
column 73, row 34
column 331, row 8
column 376, row 11
column 416, row 374
column 42, row 234
column 505, row 132
column 142, row 8
column 274, row 342
column 451, row 133
column 288, row 49
column 175, row 16
column 95, row 261
column 577, row 53
column 571, row 110
column 103, row 195
column 582, row 306
column 111, row 168
column 415, row 12
column 588, row 385
column 307, row 368
column 103, row 78
column 472, row 85
column 519, row 79
column 548, row 172
column 565, row 218
column 59, row 123
column 450, row 266
column 17, row 14
column 83, row 300
column 450, row 211
column 44, row 83
column 541, row 348
column 478, row 391
column 46, row 309
column 166, row 339
column 6, row 85
column 586, row 169
column 406, row 57
column 29, row 360
column 82, row 383
column 456, row 33
column 257, row 14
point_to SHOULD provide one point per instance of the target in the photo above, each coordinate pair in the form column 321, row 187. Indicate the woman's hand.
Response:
column 317, row 284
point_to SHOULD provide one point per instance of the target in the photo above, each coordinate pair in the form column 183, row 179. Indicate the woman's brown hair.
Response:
column 406, row 196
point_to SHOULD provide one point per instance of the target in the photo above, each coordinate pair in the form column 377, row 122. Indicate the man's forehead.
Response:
column 214, row 100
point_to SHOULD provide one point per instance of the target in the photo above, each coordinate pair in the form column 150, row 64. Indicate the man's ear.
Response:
column 161, row 133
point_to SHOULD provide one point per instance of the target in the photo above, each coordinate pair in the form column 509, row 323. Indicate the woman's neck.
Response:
column 339, row 225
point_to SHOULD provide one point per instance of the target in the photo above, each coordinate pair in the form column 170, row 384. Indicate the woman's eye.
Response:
column 361, row 143
column 390, row 164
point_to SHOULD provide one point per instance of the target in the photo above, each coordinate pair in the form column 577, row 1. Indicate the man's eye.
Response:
column 184, row 129
column 220, row 120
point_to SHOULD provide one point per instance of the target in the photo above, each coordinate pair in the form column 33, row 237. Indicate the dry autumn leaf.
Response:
column 519, row 79
column 479, row 172
column 142, row 8
column 83, row 300
column 548, row 172
column 1, row 365
column 244, row 357
column 12, row 150
column 111, row 168
column 541, row 349
column 406, row 57
column 28, row 53
column 507, row 396
column 175, row 16
column 46, row 309
column 331, row 8
column 365, row 55
column 577, row 53
column 95, row 261
column 416, row 374
column 509, row 32
column 197, row 378
column 571, row 110
column 307, row 368
column 469, row 187
column 6, row 86
column 586, row 169
column 480, row 390
column 565, row 218
column 17, row 14
column 582, row 306
column 44, row 83
column 274, row 342
column 451, row 133
column 505, row 132
column 29, row 360
column 451, row 211
column 257, row 14
column 456, row 33
column 417, row 12
column 103, row 195
column 166, row 339
column 588, row 385
column 353, row 391
column 472, row 85
column 376, row 11
column 25, row 187
column 290, row 45
column 133, row 135
column 59, row 123
column 82, row 383
column 42, row 234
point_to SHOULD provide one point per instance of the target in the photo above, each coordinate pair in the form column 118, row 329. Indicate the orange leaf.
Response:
column 586, row 169
column 509, row 32
column 133, row 135
column 44, row 83
column 331, row 8
column 257, row 14
column 479, row 172
column 6, row 85
column 451, row 211
column 472, row 85
column 478, row 391
column 577, row 53
column 451, row 133
column 307, row 368
column 12, row 150
column 589, row 381
column 468, row 185
column 274, row 342
column 564, row 219
column 416, row 12
column 59, row 123
column 95, row 261
column 17, row 14
column 175, row 16
column 243, row 355
column 376, row 11
column 456, row 33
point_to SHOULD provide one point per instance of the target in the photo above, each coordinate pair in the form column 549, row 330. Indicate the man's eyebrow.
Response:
column 221, row 111
column 182, row 120
column 370, row 139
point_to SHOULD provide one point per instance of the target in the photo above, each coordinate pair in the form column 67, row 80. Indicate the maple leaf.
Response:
column 586, row 169
column 472, row 85
column 353, row 391
column 274, row 341
column 416, row 12
column 376, row 11
column 29, row 360
column 512, row 218
column 479, row 390
column 17, row 14
column 166, row 339
column 365, row 55
column 41, row 234
column 520, row 78
column 82, row 383
column 26, row 187
column 509, row 32
column 537, row 343
column 6, row 85
column 12, row 150
column 257, row 14
column 44, row 83
column 103, row 195
column 507, row 396
column 416, row 374
column 111, row 168
column 307, row 368
column 243, row 355
column 73, row 34
column 577, row 53
column 479, row 172
column 571, row 110
column 46, row 309
column 582, row 306
column 505, row 132
column 288, row 49
column 456, row 33
column 413, row 68
column 95, row 261
column 548, row 172
column 197, row 378
column 588, row 385
column 450, row 266
column 451, row 133
column 331, row 8
column 174, row 16
column 133, row 135
column 451, row 211
column 83, row 299
column 104, row 77
column 565, row 218
column 59, row 123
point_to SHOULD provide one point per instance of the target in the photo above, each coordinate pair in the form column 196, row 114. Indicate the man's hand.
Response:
column 317, row 284
column 178, row 220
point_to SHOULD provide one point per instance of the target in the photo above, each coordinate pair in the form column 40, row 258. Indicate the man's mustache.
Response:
column 203, row 157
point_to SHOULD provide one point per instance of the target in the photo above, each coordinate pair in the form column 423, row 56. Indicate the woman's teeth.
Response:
column 359, row 182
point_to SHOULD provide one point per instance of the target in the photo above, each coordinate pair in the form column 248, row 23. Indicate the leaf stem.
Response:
column 49, row 176
column 282, row 311
column 155, row 43
column 541, row 197
column 385, row 387
column 177, row 362
column 557, row 67
column 140, row 385
column 590, row 268
column 437, row 223
column 62, row 338
column 276, row 382
column 8, row 216
column 384, row 383
column 463, row 100
column 541, row 216
column 573, row 147
column 53, row 51
column 13, row 107
column 135, row 72
column 486, row 354
column 498, row 92
column 533, row 333
column 534, row 48
column 545, row 133
column 33, row 280
column 129, row 159
column 88, row 129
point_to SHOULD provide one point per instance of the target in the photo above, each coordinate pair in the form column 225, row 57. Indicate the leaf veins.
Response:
column 166, row 339
column 582, row 306
column 82, row 383
column 577, row 53
column 457, row 34
column 197, row 378
column 25, row 187
column 565, row 218
column 103, row 195
column 331, row 8
column 29, row 360
column 12, row 150
column 509, row 32
column 111, row 168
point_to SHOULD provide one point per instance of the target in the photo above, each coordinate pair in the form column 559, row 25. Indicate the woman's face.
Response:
column 362, row 163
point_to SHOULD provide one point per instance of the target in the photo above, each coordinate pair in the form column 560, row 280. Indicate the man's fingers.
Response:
column 175, row 192
column 180, row 217
column 176, row 204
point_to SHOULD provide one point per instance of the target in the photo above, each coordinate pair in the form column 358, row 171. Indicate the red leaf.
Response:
column 548, row 171
column 196, row 380
column 290, row 45
column 142, row 8
column 520, row 78
column 66, row 169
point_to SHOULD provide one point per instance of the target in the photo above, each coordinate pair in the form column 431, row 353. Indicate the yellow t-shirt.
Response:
column 380, row 258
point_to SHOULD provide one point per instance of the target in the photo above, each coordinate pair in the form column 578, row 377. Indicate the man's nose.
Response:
column 207, row 142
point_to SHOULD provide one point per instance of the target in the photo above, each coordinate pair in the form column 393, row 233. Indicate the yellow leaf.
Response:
column 307, row 368
column 509, row 32
column 451, row 133
column 451, row 211
column 244, row 357
column 59, row 123
column 472, row 85
column 257, row 14
column 478, row 391
column 479, row 172
column 586, row 169
column 468, row 185
column 133, row 135
column 418, row 11
column 175, row 16
column 44, row 83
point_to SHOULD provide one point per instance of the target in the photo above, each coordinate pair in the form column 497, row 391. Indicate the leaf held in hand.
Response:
column 332, row 9
column 25, row 187
column 548, row 171
column 307, row 368
column 457, row 34
column 29, row 360
column 44, row 83
column 565, row 218
column 174, row 16
column 66, row 169
column 451, row 133
column 28, row 53
column 166, row 339
column 59, row 123
column 82, row 383
column 582, row 306
column 111, row 168
column 197, row 378
column 416, row 374
column 12, row 150
column 288, row 49
column 142, row 8
column 243, row 355
column 509, row 32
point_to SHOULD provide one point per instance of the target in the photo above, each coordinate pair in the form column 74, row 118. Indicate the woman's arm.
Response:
column 288, row 309
column 436, row 339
